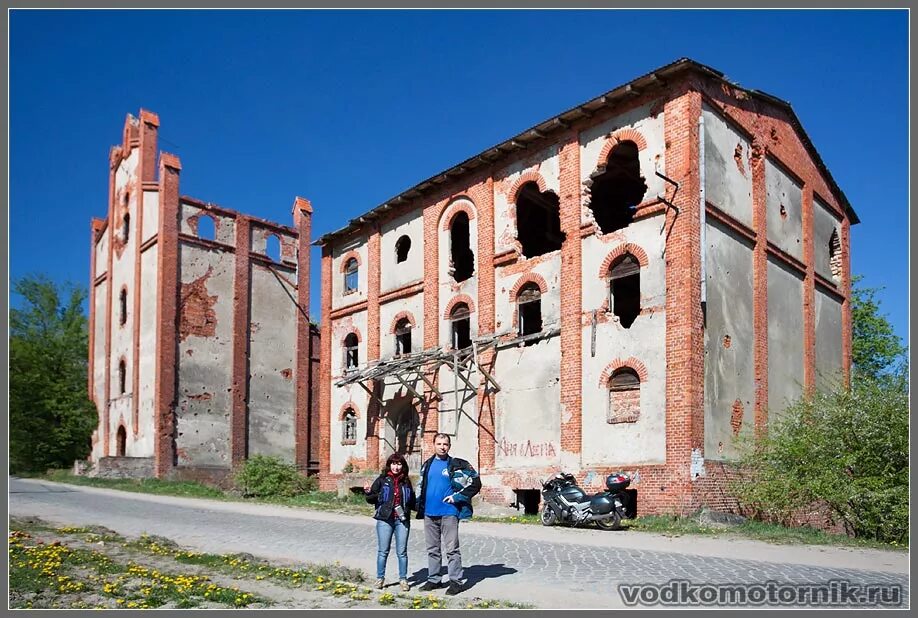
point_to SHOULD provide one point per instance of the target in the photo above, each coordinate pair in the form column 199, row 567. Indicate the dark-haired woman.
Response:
column 393, row 496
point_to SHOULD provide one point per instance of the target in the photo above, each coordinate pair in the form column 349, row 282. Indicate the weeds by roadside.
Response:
column 92, row 567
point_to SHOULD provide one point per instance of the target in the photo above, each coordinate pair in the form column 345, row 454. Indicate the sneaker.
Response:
column 454, row 588
column 429, row 585
column 405, row 586
column 380, row 583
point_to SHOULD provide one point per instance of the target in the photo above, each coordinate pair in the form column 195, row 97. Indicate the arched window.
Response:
column 350, row 276
column 835, row 261
column 350, row 352
column 402, row 337
column 349, row 427
column 402, row 247
column 538, row 221
column 461, row 326
column 122, row 376
column 617, row 188
column 625, row 289
column 122, row 302
column 272, row 247
column 461, row 257
column 126, row 227
column 206, row 227
column 624, row 396
column 529, row 308
column 121, row 442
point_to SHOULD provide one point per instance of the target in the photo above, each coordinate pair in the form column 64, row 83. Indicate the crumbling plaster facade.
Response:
column 744, row 300
column 201, row 349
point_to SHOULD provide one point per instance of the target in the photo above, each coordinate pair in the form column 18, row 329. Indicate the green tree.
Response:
column 51, row 416
column 875, row 347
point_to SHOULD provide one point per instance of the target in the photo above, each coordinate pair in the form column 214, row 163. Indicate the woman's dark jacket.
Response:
column 382, row 494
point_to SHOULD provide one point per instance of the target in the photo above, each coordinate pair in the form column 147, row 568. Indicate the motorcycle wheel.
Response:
column 612, row 523
column 548, row 516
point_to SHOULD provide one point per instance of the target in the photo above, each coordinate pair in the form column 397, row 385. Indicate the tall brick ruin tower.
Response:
column 628, row 285
column 201, row 348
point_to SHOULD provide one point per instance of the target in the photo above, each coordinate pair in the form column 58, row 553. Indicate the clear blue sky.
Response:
column 349, row 108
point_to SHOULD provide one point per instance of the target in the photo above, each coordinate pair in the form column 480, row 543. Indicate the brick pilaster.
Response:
column 760, row 285
column 809, row 293
column 486, row 307
column 373, row 335
column 430, row 417
column 241, row 335
column 846, row 305
column 302, row 220
column 571, row 303
column 325, row 411
column 167, row 276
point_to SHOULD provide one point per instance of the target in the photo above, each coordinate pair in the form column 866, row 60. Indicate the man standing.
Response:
column 447, row 487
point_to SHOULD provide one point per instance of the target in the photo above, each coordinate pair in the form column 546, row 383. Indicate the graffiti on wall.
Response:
column 526, row 449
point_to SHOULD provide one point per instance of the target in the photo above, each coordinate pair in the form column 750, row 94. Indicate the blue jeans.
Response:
column 384, row 532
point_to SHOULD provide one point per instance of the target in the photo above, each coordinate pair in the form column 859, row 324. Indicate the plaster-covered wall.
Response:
column 652, row 158
column 102, row 254
column 395, row 274
column 339, row 298
column 828, row 341
column 783, row 208
column 729, row 345
column 272, row 360
column 528, row 407
column 727, row 174
column 205, row 333
column 224, row 225
column 100, row 299
column 642, row 441
column 387, row 314
column 785, row 337
column 144, row 441
column 824, row 223
column 150, row 214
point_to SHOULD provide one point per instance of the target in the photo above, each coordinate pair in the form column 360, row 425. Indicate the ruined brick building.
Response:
column 626, row 286
column 201, row 349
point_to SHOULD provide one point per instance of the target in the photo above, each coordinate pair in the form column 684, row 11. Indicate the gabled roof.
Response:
column 650, row 81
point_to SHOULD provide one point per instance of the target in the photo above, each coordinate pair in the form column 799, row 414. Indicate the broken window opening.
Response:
column 402, row 247
column 625, row 289
column 349, row 426
column 350, row 276
column 121, row 442
column 617, row 189
column 123, row 305
column 624, row 396
column 529, row 307
column 206, row 227
column 528, row 499
column 126, row 227
column 835, row 261
column 272, row 247
column 538, row 221
column 461, row 256
column 350, row 352
column 122, row 376
column 403, row 337
column 461, row 322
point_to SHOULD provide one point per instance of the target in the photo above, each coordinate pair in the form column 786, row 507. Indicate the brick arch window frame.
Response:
column 123, row 305
column 121, row 440
column 122, row 376
column 514, row 293
column 402, row 316
column 460, row 309
column 350, row 349
column 348, row 417
column 455, row 205
column 624, row 397
column 622, row 135
column 350, row 278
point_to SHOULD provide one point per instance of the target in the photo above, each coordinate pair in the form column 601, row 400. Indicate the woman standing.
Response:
column 394, row 498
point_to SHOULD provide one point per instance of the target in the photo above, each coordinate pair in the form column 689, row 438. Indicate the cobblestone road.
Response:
column 575, row 568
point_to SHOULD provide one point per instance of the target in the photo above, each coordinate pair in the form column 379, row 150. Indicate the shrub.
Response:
column 269, row 477
column 845, row 451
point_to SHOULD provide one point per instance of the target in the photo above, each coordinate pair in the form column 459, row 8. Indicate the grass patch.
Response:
column 187, row 489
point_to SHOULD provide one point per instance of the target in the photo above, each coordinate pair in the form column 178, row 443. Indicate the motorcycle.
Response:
column 566, row 503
